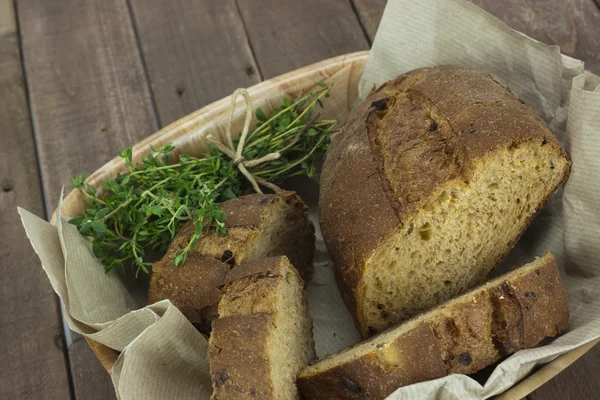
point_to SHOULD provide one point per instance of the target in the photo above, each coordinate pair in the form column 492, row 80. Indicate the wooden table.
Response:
column 80, row 79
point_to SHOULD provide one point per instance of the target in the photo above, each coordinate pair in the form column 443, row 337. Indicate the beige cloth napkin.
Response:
column 163, row 356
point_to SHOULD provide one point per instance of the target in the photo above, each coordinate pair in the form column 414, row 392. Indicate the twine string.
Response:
column 236, row 153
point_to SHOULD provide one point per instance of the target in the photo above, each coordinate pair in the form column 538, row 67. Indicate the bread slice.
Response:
column 258, row 226
column 263, row 336
column 515, row 311
column 429, row 185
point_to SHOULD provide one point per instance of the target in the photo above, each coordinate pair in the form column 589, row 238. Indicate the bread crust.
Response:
column 536, row 297
column 416, row 357
column 541, row 302
column 196, row 287
column 374, row 180
column 230, row 364
column 238, row 347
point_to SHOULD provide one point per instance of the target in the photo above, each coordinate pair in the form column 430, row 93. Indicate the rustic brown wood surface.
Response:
column 196, row 52
column 102, row 74
column 369, row 13
column 89, row 97
column 31, row 334
column 286, row 35
column 90, row 380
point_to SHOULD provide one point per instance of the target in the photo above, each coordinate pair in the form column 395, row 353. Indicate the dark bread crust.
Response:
column 247, row 210
column 196, row 287
column 251, row 287
column 237, row 344
column 541, row 302
column 267, row 267
column 244, row 213
column 522, row 308
column 466, row 334
column 375, row 178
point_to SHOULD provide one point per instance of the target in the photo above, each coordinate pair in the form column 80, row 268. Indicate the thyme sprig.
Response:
column 143, row 209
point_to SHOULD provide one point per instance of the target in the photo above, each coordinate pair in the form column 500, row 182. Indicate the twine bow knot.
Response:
column 236, row 153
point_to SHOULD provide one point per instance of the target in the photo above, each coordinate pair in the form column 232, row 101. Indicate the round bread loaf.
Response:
column 429, row 185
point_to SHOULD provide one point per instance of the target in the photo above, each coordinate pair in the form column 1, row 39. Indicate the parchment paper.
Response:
column 163, row 356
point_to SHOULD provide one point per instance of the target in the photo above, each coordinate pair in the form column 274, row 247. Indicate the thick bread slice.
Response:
column 429, row 185
column 515, row 311
column 263, row 335
column 258, row 226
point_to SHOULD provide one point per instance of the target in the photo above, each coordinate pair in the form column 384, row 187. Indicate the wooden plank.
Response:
column 574, row 25
column 33, row 362
column 88, row 91
column 286, row 35
column 89, row 98
column 82, row 368
column 579, row 381
column 196, row 52
column 370, row 12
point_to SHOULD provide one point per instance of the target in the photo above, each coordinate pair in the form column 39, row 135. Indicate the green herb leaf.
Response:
column 98, row 227
column 260, row 115
column 103, row 212
column 228, row 194
column 78, row 220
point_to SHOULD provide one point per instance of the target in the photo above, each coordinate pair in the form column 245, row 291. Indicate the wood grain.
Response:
column 574, row 25
column 100, row 388
column 196, row 52
column 89, row 98
column 286, row 35
column 370, row 12
column 87, row 87
column 33, row 360
column 579, row 380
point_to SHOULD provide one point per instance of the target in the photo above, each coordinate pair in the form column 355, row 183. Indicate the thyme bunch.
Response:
column 143, row 209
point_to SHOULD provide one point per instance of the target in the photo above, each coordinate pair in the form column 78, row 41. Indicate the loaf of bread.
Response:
column 258, row 226
column 263, row 335
column 428, row 186
column 464, row 335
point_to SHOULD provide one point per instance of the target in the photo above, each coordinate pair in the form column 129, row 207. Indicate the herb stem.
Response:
column 113, row 212
column 92, row 198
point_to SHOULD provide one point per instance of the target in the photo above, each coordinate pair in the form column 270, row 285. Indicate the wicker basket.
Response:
column 189, row 136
